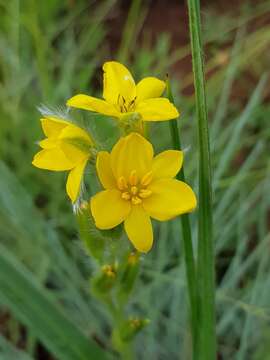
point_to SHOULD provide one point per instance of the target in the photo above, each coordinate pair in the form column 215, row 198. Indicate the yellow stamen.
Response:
column 147, row 178
column 134, row 190
column 133, row 179
column 126, row 195
column 122, row 183
column 144, row 193
column 136, row 200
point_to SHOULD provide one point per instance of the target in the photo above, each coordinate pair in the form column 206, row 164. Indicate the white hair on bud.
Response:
column 186, row 149
column 61, row 112
column 76, row 207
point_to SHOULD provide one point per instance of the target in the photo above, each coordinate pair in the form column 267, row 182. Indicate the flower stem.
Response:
column 187, row 237
column 206, row 273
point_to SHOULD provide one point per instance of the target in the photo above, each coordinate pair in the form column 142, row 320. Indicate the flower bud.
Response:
column 129, row 274
column 105, row 280
column 131, row 327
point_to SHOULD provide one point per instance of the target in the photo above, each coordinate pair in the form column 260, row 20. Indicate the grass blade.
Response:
column 206, row 283
column 33, row 306
column 187, row 237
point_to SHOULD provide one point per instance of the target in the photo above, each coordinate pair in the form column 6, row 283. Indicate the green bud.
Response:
column 105, row 280
column 130, row 269
column 131, row 122
column 93, row 240
column 131, row 327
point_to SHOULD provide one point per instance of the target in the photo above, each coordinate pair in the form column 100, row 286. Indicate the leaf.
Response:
column 35, row 308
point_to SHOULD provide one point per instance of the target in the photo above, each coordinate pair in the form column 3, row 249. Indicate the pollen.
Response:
column 134, row 190
column 126, row 195
column 136, row 200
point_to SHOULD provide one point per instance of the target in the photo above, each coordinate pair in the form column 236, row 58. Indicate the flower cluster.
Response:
column 137, row 185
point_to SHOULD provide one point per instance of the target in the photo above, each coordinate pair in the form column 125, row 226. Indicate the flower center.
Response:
column 125, row 106
column 134, row 189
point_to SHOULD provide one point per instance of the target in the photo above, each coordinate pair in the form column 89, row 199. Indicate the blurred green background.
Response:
column 51, row 50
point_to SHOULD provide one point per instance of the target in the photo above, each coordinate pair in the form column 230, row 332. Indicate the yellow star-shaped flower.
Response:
column 123, row 97
column 139, row 186
column 67, row 147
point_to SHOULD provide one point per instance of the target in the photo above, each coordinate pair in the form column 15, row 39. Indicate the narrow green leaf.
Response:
column 9, row 352
column 187, row 237
column 205, row 278
column 35, row 308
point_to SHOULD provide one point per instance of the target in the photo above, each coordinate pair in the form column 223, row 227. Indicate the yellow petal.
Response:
column 157, row 109
column 132, row 152
column 149, row 87
column 117, row 80
column 74, row 180
column 167, row 164
column 53, row 159
column 74, row 132
column 73, row 154
column 48, row 143
column 93, row 104
column 76, row 143
column 139, row 229
column 109, row 209
column 169, row 198
column 52, row 126
column 104, row 170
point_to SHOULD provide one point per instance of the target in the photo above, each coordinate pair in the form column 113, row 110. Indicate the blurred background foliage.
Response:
column 50, row 50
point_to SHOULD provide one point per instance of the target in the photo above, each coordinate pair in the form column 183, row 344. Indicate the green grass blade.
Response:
column 33, row 306
column 187, row 237
column 9, row 352
column 207, row 340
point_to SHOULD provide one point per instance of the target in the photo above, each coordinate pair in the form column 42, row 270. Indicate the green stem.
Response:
column 187, row 237
column 206, row 273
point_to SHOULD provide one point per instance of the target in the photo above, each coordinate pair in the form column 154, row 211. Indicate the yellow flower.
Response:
column 65, row 148
column 123, row 97
column 139, row 186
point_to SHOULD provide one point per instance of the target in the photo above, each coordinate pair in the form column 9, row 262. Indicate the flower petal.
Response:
column 132, row 152
column 149, row 87
column 139, row 229
column 170, row 198
column 74, row 180
column 76, row 143
column 167, row 164
column 48, row 143
column 53, row 126
column 53, row 159
column 157, row 109
column 104, row 170
column 75, row 132
column 117, row 80
column 109, row 209
column 93, row 104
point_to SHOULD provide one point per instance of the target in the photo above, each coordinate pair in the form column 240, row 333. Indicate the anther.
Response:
column 122, row 183
column 133, row 178
column 145, row 193
column 126, row 195
column 136, row 200
column 134, row 190
column 147, row 178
